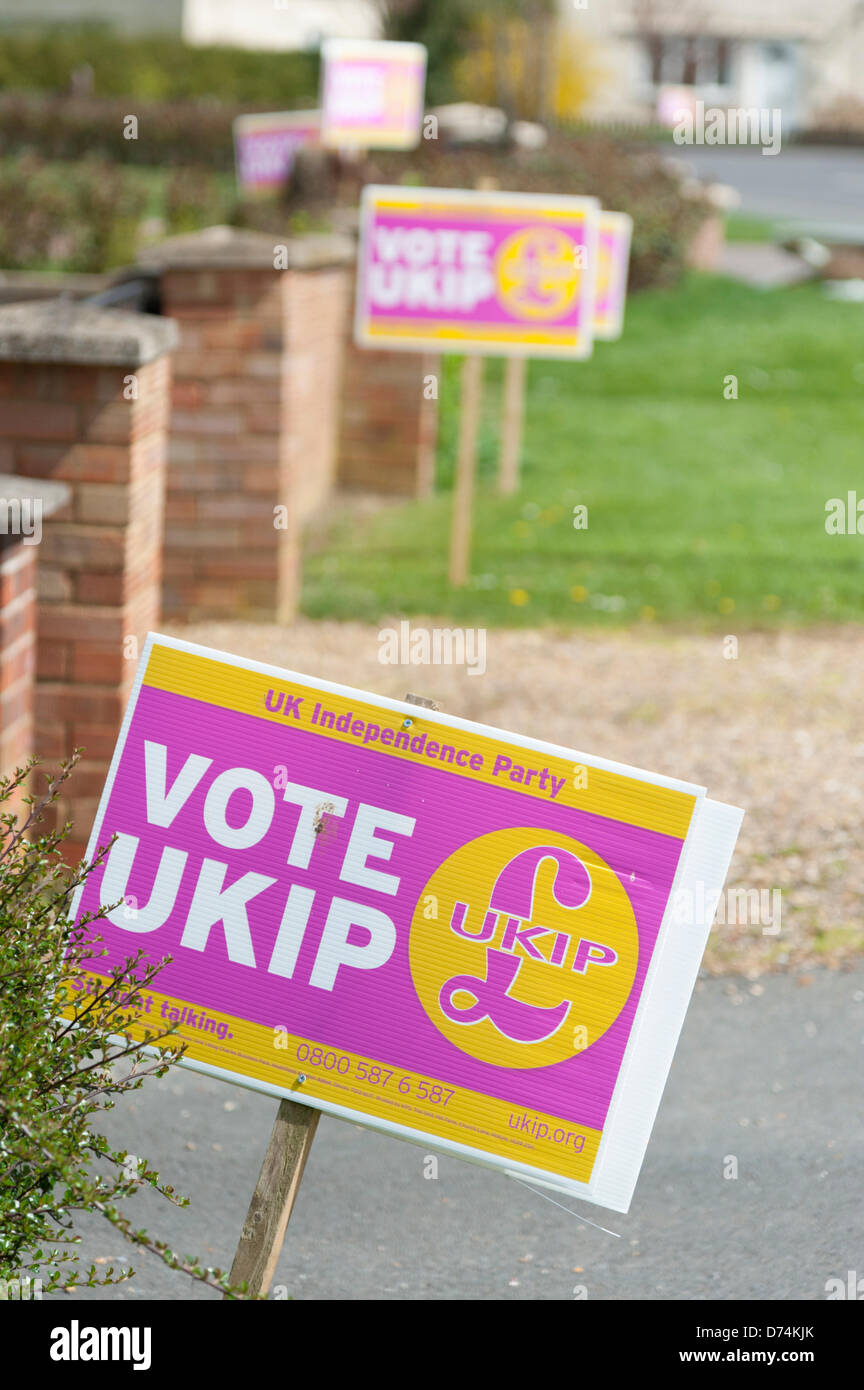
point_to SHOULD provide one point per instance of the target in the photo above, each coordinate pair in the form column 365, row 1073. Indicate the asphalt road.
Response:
column 767, row 1072
column 811, row 184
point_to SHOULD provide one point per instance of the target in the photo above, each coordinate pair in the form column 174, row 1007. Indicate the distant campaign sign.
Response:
column 614, row 231
column 265, row 146
column 463, row 937
column 372, row 93
column 494, row 273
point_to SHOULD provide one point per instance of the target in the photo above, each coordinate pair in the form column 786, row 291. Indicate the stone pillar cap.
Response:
column 62, row 330
column 238, row 248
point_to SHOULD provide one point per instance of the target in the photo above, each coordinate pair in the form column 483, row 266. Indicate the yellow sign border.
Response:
column 646, row 805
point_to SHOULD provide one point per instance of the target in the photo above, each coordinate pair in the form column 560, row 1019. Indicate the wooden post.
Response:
column 511, row 427
column 463, row 491
column 275, row 1193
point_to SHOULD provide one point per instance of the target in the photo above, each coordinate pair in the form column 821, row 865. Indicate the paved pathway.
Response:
column 806, row 184
column 768, row 1073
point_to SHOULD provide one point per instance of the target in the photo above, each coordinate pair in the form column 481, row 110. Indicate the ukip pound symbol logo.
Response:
column 502, row 980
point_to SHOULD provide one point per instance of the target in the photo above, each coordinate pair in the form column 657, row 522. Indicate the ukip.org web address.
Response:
column 740, row 1354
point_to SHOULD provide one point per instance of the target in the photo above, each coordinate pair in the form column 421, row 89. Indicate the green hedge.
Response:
column 193, row 142
column 176, row 133
column 156, row 68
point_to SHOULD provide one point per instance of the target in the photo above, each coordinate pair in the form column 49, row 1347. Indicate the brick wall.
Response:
column 317, row 311
column 255, row 403
column 389, row 421
column 98, row 425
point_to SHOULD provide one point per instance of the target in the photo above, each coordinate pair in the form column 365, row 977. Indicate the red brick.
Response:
column 57, row 701
column 52, row 662
column 97, row 663
column 69, row 622
column 107, row 503
column 97, row 588
column 97, row 738
column 106, row 424
column 40, row 420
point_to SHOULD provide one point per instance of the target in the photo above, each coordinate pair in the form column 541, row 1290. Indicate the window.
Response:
column 690, row 60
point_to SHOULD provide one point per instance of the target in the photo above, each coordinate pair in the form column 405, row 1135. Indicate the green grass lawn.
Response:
column 741, row 226
column 701, row 510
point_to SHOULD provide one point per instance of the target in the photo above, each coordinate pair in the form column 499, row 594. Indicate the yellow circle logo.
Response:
column 537, row 273
column 523, row 948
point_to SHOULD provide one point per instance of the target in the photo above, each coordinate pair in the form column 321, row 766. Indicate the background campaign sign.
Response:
column 265, row 145
column 614, row 232
column 372, row 93
column 460, row 936
column 494, row 273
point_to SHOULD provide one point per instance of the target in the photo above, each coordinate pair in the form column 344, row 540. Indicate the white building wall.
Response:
column 277, row 24
column 822, row 62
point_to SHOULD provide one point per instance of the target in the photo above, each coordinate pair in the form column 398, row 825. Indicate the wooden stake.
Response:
column 463, row 492
column 275, row 1193
column 511, row 425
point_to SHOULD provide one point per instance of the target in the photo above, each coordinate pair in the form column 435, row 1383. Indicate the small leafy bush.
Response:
column 58, row 1074
column 194, row 198
column 83, row 217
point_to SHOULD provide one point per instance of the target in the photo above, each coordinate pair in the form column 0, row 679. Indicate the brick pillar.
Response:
column 389, row 421
column 23, row 509
column 84, row 398
column 255, row 404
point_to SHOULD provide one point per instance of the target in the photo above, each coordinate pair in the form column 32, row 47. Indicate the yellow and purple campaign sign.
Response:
column 460, row 936
column 614, row 233
column 265, row 146
column 372, row 94
column 495, row 273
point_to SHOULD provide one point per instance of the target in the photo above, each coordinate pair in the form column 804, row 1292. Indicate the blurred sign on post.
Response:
column 462, row 937
column 476, row 272
column 265, row 146
column 614, row 233
column 372, row 94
